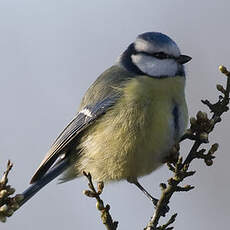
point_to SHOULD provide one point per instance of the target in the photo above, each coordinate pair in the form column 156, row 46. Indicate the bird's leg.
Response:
column 135, row 181
column 165, row 208
column 154, row 200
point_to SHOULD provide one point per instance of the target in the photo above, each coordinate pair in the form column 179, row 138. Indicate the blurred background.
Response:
column 51, row 51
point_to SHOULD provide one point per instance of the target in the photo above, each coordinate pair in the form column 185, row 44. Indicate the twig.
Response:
column 105, row 215
column 200, row 128
column 8, row 205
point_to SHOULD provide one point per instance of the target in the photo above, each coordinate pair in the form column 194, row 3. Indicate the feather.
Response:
column 79, row 123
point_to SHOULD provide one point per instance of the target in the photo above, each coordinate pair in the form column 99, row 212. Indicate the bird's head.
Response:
column 154, row 54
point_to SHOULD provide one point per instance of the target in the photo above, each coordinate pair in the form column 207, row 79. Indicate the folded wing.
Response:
column 79, row 123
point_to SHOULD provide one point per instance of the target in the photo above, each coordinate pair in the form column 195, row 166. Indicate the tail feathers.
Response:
column 44, row 167
column 55, row 171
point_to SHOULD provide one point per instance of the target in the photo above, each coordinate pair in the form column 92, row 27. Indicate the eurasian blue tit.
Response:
column 128, row 120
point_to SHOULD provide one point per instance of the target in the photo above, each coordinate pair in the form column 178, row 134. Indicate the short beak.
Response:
column 182, row 59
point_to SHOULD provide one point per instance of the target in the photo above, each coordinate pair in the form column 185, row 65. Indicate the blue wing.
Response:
column 102, row 94
column 79, row 123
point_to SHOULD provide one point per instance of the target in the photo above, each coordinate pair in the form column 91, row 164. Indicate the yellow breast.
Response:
column 133, row 137
column 154, row 101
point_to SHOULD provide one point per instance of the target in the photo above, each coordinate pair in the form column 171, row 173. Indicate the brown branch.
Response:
column 200, row 128
column 8, row 205
column 93, row 193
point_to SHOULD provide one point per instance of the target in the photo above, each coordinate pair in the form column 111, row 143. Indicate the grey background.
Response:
column 51, row 51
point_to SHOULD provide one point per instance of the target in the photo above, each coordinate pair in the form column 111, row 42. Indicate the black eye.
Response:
column 161, row 55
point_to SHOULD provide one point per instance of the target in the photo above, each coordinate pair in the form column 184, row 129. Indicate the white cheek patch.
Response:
column 155, row 67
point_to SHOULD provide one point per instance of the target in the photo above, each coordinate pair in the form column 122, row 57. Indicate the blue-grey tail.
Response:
column 55, row 171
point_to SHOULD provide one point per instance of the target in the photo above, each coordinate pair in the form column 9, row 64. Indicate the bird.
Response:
column 128, row 120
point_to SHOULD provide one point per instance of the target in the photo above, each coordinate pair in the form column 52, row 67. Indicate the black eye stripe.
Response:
column 159, row 55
